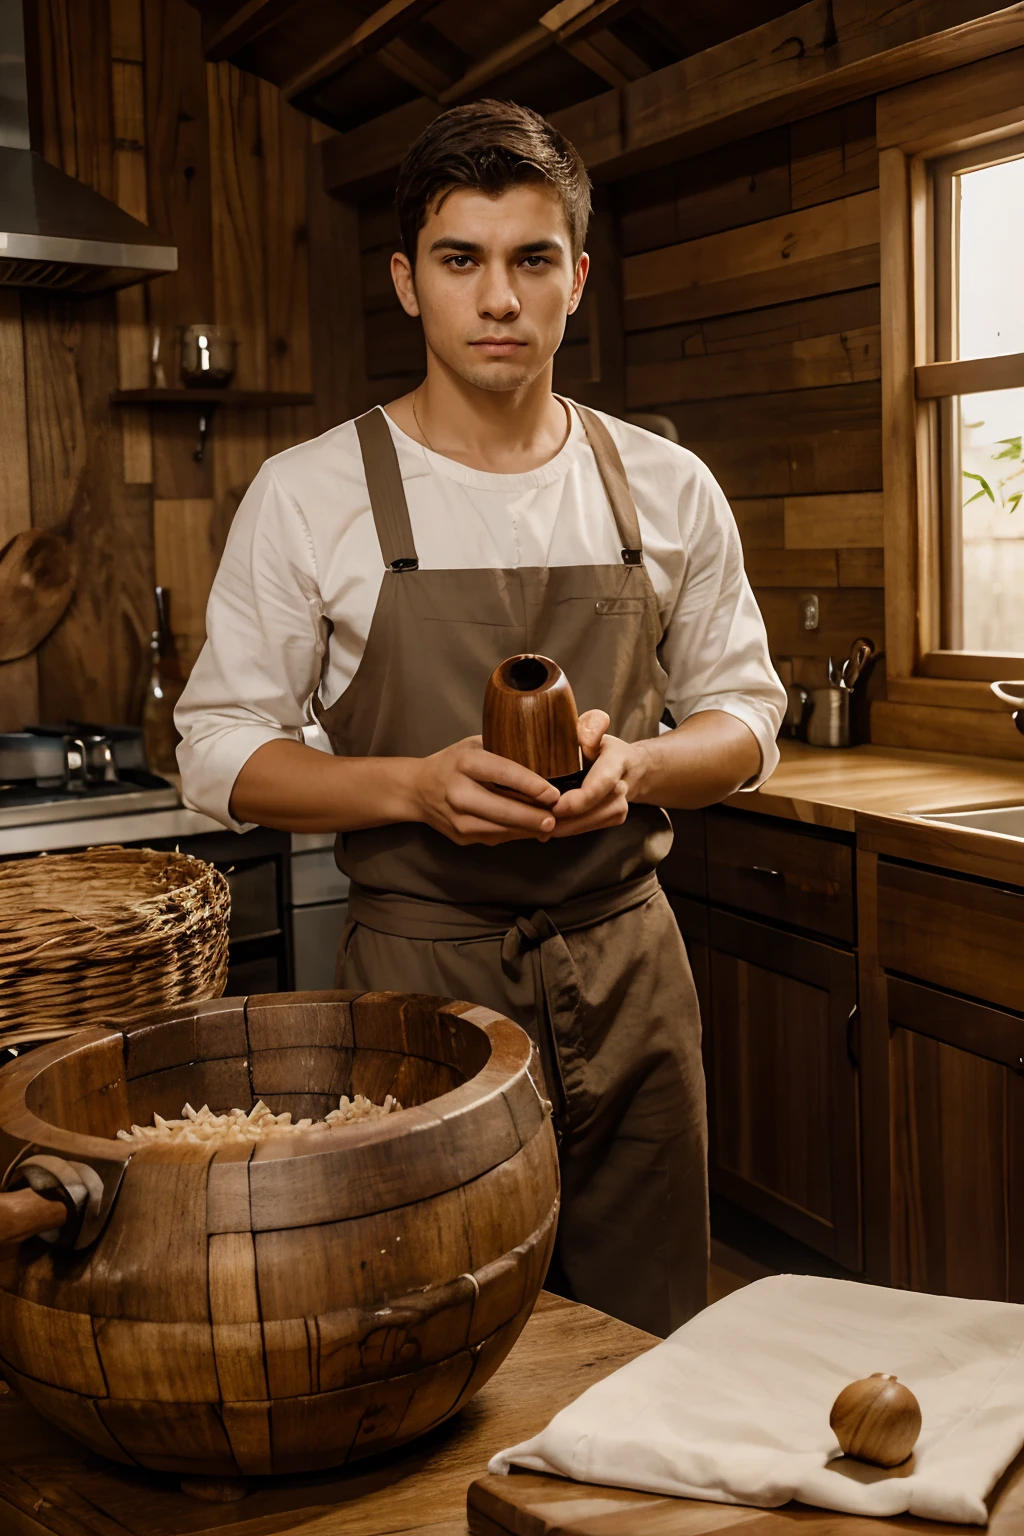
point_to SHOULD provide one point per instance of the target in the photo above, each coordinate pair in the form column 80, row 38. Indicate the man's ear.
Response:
column 579, row 279
column 405, row 283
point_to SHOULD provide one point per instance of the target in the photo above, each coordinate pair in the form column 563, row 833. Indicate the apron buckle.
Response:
column 632, row 557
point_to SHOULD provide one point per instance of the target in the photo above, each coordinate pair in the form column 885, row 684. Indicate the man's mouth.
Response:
column 497, row 346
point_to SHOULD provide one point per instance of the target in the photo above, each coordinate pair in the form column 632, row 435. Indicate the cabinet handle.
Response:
column 762, row 869
column 853, row 1035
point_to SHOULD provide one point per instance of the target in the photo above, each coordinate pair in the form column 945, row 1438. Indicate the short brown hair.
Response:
column 489, row 146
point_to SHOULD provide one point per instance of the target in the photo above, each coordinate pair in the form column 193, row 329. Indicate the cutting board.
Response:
column 38, row 572
column 529, row 1504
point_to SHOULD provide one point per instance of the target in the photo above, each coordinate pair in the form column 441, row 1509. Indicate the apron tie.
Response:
column 524, row 934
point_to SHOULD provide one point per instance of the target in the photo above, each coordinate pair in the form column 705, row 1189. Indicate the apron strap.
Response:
column 609, row 463
column 387, row 493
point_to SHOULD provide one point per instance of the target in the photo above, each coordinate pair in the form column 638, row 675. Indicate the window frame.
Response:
column 967, row 118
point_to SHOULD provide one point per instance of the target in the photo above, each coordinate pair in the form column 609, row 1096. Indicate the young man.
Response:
column 376, row 576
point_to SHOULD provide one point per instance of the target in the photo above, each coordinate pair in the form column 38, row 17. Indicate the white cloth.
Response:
column 302, row 570
column 734, row 1406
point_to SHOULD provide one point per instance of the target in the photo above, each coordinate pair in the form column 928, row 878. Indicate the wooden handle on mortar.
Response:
column 24, row 1214
column 530, row 716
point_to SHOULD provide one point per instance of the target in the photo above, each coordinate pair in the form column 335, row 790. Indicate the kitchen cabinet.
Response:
column 779, row 1012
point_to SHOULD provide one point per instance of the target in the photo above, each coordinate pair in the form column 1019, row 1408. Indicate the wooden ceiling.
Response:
column 348, row 62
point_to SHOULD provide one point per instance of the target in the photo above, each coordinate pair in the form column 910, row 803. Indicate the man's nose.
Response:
column 497, row 299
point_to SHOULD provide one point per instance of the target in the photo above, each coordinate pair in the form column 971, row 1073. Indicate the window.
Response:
column 951, row 188
column 978, row 222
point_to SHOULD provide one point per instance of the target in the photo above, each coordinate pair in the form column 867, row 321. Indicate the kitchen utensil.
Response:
column 71, row 754
column 835, row 676
column 530, row 717
column 38, row 572
column 861, row 652
column 340, row 1293
column 1012, row 693
column 207, row 356
column 828, row 724
column 876, row 1420
column 796, row 710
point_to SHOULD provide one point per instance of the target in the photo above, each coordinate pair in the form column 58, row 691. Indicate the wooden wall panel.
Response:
column 19, row 680
column 126, row 104
column 752, row 321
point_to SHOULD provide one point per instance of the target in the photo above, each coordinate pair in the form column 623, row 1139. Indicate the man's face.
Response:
column 494, row 282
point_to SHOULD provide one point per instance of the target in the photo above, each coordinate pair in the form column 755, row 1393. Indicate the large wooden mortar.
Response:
column 327, row 1295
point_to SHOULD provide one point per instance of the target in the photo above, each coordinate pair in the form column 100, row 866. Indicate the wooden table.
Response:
column 50, row 1486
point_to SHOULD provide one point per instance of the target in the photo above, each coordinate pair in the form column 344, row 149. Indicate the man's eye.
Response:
column 460, row 262
column 533, row 262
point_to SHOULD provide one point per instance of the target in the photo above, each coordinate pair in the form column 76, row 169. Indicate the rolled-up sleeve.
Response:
column 261, row 662
column 715, row 647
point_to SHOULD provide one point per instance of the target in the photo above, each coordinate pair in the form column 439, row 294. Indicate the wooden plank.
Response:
column 985, row 95
column 760, row 522
column 775, row 286
column 338, row 358
column 861, row 567
column 791, row 567
column 833, row 154
column 899, row 416
column 852, row 521
column 244, row 25
column 285, row 143
column 235, row 1315
column 379, row 28
column 178, row 176
column 90, row 665
column 131, row 194
column 19, row 680
column 845, row 613
column 923, row 727
column 807, row 442
column 848, row 224
column 185, row 556
column 845, row 358
column 968, row 376
column 126, row 31
column 799, row 321
column 236, row 186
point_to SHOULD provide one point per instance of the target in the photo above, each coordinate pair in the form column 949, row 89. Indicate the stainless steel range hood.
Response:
column 54, row 231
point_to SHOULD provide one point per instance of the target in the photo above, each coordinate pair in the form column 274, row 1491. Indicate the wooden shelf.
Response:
column 194, row 397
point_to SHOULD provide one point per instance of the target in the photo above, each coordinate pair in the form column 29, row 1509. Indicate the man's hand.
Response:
column 453, row 794
column 603, row 798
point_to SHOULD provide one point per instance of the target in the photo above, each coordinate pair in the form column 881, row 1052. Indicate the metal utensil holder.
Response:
column 829, row 721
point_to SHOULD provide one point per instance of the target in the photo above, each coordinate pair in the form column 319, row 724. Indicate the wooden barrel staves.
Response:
column 297, row 1305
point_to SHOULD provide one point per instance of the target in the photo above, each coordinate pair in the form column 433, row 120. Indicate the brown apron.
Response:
column 572, row 938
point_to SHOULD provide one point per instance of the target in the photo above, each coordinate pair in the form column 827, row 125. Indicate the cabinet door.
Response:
column 957, row 1139
column 784, row 1097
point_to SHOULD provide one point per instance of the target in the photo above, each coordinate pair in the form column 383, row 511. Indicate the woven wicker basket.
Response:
column 105, row 934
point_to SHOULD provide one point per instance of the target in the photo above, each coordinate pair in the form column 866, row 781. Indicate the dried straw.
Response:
column 101, row 935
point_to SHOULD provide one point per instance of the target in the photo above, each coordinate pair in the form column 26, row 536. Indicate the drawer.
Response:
column 254, row 900
column 685, row 866
column 316, row 878
column 953, row 933
column 788, row 876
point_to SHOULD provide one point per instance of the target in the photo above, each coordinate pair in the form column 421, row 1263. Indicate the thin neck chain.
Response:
column 416, row 417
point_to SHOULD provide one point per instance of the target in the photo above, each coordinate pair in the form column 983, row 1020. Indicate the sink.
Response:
column 1006, row 820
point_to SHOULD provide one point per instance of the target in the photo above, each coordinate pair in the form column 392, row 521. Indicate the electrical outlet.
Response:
column 809, row 610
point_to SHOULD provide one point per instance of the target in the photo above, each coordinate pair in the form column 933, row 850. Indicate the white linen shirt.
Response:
column 292, row 601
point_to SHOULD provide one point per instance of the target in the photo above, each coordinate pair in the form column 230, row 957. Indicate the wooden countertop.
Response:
column 827, row 788
column 51, row 1486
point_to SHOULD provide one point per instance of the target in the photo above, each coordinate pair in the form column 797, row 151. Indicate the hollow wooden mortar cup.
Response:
column 530, row 718
column 324, row 1296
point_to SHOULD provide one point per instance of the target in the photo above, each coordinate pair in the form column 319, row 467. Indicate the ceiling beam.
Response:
column 246, row 24
column 371, row 35
column 805, row 62
column 557, row 27
column 414, row 68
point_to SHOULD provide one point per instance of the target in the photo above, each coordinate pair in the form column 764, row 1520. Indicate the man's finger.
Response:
column 489, row 768
column 611, row 814
column 599, row 783
column 474, row 799
column 591, row 728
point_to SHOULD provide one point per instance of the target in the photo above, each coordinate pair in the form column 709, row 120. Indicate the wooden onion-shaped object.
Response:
column 233, row 1311
column 876, row 1420
column 530, row 717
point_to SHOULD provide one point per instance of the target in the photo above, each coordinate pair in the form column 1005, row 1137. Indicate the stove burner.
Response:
column 63, row 772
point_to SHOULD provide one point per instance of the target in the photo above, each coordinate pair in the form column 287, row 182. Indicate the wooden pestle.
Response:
column 530, row 718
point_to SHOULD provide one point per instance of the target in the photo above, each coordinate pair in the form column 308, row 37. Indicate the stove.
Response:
column 77, row 771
